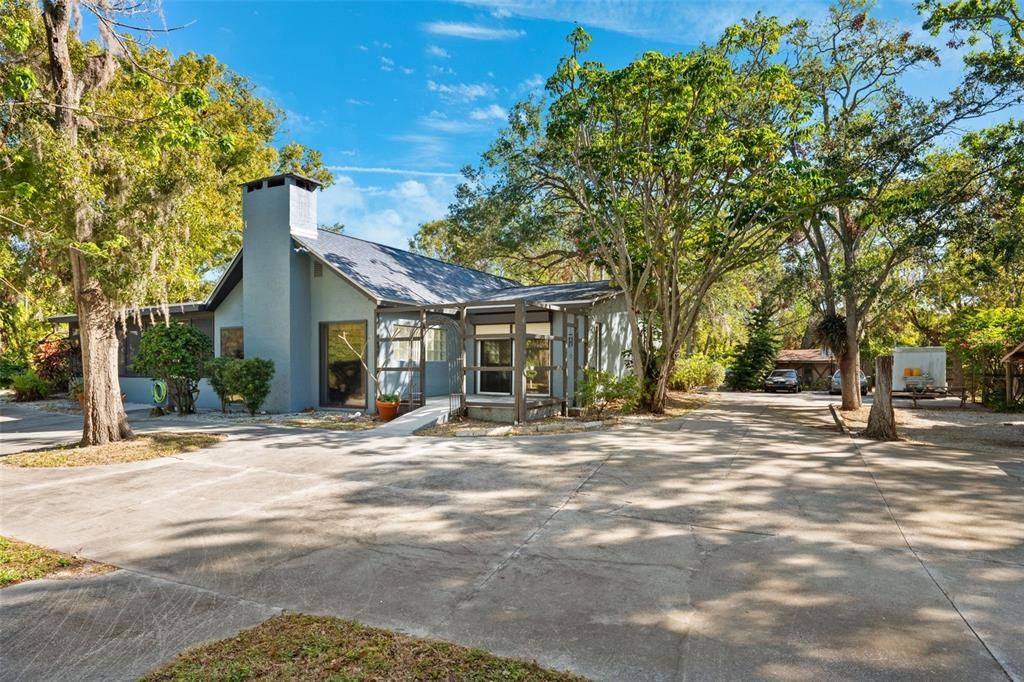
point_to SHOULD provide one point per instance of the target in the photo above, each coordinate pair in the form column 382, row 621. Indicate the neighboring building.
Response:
column 813, row 366
column 314, row 301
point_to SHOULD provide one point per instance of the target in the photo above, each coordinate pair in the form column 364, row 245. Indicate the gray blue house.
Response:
column 321, row 304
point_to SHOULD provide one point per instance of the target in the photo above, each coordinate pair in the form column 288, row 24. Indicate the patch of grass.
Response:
column 20, row 561
column 301, row 647
column 148, row 446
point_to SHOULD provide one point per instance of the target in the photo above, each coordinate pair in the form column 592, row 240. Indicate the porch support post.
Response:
column 519, row 363
column 423, row 357
column 586, row 341
column 576, row 367
column 565, row 363
column 462, row 361
column 376, row 360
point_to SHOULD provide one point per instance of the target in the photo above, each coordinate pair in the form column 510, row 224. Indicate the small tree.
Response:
column 53, row 361
column 217, row 373
column 250, row 378
column 756, row 357
column 175, row 353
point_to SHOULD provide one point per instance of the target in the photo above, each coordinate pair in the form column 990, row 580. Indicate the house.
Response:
column 814, row 366
column 316, row 302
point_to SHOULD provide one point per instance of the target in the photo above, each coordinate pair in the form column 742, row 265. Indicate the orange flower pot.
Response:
column 387, row 411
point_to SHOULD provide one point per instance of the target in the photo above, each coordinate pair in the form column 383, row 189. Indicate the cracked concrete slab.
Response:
column 740, row 542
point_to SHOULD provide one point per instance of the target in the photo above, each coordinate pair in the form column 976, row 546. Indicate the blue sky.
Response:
column 400, row 95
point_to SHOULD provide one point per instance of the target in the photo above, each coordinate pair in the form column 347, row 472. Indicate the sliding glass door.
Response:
column 342, row 376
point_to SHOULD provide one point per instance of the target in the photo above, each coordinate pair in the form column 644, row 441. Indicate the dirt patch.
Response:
column 943, row 422
column 21, row 561
column 677, row 405
column 148, row 446
column 300, row 647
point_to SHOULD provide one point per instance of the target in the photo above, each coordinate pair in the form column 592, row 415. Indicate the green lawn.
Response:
column 148, row 446
column 301, row 647
column 20, row 561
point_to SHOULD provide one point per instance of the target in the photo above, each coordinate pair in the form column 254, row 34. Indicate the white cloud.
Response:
column 458, row 29
column 491, row 112
column 387, row 64
column 684, row 23
column 463, row 91
column 389, row 214
column 407, row 71
column 439, row 52
column 534, row 82
column 384, row 170
column 501, row 13
column 363, row 48
column 356, row 102
column 299, row 123
column 442, row 70
column 439, row 121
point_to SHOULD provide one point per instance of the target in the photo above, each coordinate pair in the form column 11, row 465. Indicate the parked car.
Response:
column 837, row 383
column 782, row 380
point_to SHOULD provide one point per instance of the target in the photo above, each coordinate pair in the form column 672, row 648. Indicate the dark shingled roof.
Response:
column 390, row 274
column 572, row 292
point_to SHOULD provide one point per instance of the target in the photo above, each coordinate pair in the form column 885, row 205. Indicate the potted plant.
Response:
column 387, row 405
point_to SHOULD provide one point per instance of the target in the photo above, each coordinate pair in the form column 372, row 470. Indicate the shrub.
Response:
column 30, row 386
column 175, row 353
column 217, row 371
column 53, row 361
column 250, row 378
column 10, row 368
column 600, row 389
column 696, row 371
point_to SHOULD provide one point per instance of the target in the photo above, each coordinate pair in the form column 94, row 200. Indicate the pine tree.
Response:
column 756, row 357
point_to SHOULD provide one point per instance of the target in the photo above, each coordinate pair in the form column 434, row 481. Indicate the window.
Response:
column 437, row 345
column 342, row 375
column 232, row 342
column 498, row 353
column 402, row 345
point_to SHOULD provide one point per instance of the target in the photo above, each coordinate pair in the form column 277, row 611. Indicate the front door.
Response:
column 495, row 353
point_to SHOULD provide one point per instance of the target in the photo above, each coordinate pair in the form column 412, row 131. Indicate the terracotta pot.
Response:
column 387, row 411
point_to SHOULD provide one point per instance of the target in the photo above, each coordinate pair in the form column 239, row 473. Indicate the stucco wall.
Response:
column 228, row 314
column 140, row 390
column 332, row 299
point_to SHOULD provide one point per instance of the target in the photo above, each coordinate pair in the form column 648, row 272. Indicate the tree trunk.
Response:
column 105, row 420
column 849, row 362
column 882, row 419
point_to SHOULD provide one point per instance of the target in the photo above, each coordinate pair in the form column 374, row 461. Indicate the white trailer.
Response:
column 919, row 370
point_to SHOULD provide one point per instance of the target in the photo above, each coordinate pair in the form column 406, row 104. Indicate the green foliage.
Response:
column 982, row 337
column 53, row 361
column 599, row 390
column 247, row 380
column 30, row 386
column 830, row 333
column 250, row 378
column 175, row 353
column 389, row 398
column 696, row 371
column 297, row 158
column 217, row 374
column 20, row 334
column 756, row 358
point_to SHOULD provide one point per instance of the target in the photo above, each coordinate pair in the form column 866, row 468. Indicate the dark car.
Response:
column 782, row 380
column 836, row 386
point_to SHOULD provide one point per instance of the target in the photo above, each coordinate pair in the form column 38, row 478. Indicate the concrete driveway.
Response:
column 747, row 541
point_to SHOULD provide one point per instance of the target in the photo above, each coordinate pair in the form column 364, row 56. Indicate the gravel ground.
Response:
column 943, row 422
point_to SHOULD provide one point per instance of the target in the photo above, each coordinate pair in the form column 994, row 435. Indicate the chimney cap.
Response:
column 283, row 175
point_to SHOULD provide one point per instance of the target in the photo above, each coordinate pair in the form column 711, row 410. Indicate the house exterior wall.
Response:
column 332, row 299
column 607, row 346
column 228, row 314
